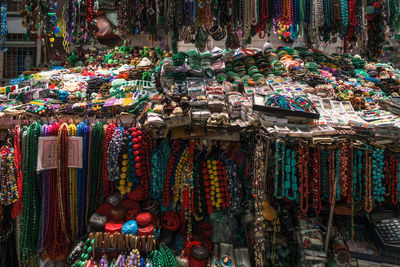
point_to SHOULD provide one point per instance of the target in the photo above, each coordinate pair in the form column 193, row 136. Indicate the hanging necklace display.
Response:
column 3, row 29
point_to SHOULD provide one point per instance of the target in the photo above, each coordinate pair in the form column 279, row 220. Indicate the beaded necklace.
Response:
column 234, row 186
column 198, row 193
column 327, row 11
column 290, row 175
column 187, row 192
column 146, row 149
column 46, row 130
column 357, row 174
column 95, row 168
column 392, row 178
column 303, row 176
column 107, row 183
column 398, row 178
column 31, row 215
column 113, row 154
column 63, row 181
column 3, row 26
column 332, row 177
column 19, row 218
column 258, row 190
column 337, row 175
column 55, row 242
column 180, row 174
column 344, row 8
column 324, row 173
column 316, row 181
column 132, row 165
column 279, row 186
column 72, row 131
column 83, row 131
column 368, row 185
column 377, row 174
column 171, row 162
column 8, row 181
column 158, row 166
column 208, row 189
column 17, row 207
column 343, row 162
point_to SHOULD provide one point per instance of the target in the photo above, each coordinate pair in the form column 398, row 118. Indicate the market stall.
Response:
column 237, row 156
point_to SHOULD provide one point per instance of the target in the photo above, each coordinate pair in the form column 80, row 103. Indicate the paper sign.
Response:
column 47, row 153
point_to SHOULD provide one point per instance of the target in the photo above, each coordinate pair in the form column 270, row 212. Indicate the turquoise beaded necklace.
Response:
column 377, row 174
column 159, row 166
column 337, row 162
column 290, row 175
column 344, row 17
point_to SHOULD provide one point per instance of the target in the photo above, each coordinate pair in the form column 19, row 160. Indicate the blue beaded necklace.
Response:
column 83, row 130
column 234, row 185
column 3, row 29
column 337, row 162
column 360, row 157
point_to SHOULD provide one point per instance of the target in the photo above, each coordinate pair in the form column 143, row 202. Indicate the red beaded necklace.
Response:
column 174, row 153
column 223, row 183
column 391, row 176
column 17, row 207
column 343, row 172
column 368, row 185
column 316, row 181
column 332, row 177
column 63, row 179
column 56, row 242
column 147, row 146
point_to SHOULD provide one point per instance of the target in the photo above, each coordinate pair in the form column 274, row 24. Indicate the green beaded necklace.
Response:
column 31, row 219
column 95, row 162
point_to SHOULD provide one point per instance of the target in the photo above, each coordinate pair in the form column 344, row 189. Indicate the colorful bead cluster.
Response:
column 8, row 183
